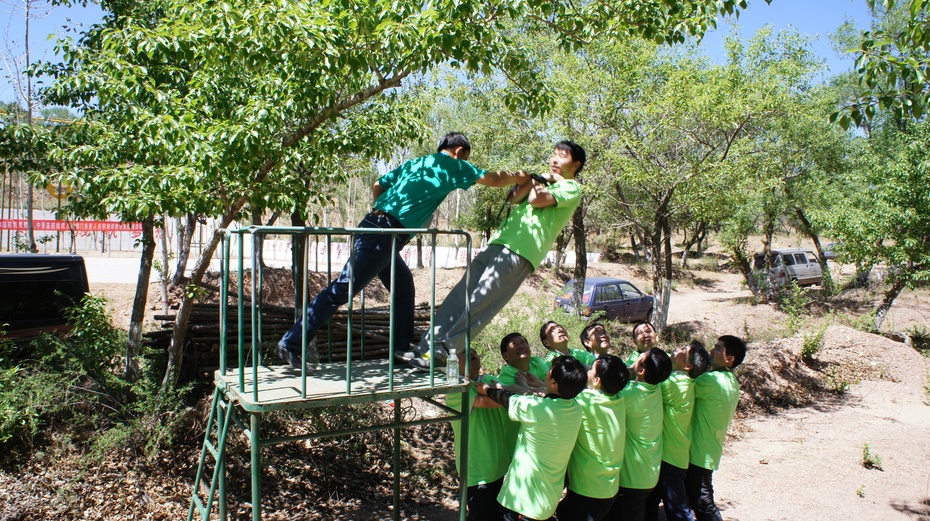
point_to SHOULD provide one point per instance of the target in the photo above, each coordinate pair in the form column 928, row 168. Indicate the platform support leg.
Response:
column 255, row 441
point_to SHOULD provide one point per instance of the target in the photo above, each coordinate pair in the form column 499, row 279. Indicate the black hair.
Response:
column 735, row 347
column 584, row 333
column 613, row 373
column 577, row 153
column 453, row 140
column 637, row 324
column 508, row 339
column 570, row 375
column 542, row 330
column 658, row 366
column 699, row 359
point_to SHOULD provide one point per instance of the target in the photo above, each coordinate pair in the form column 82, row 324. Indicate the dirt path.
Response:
column 804, row 463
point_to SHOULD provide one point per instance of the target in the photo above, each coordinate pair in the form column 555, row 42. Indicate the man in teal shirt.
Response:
column 716, row 395
column 594, row 467
column 405, row 197
column 543, row 208
column 642, row 452
column 688, row 363
column 491, row 441
column 534, row 481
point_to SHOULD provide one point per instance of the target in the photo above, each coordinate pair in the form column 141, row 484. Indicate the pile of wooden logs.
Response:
column 370, row 338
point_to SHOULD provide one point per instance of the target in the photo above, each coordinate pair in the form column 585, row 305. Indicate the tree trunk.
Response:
column 581, row 256
column 139, row 302
column 770, row 289
column 808, row 229
column 185, row 237
column 297, row 268
column 662, row 264
column 882, row 310
column 420, row 252
column 163, row 272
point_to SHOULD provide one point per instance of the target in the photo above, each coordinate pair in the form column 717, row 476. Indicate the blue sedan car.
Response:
column 618, row 299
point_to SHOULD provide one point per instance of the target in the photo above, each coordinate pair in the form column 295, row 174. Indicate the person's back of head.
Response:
column 570, row 376
column 735, row 347
column 657, row 366
column 578, row 154
column 612, row 372
column 699, row 359
column 454, row 140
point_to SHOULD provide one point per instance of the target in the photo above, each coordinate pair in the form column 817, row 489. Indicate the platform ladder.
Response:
column 214, row 445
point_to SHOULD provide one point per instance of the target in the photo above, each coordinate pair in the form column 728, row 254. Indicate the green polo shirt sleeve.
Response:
column 716, row 395
column 581, row 355
column 677, row 404
column 642, row 457
column 548, row 429
column 492, row 437
column 594, row 467
column 530, row 232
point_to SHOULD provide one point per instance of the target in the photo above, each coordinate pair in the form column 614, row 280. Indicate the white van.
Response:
column 797, row 264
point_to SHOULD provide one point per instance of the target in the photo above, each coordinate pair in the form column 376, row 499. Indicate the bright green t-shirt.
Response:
column 538, row 367
column 581, row 355
column 529, row 232
column 548, row 429
column 491, row 439
column 716, row 394
column 416, row 188
column 632, row 358
column 642, row 456
column 678, row 404
column 594, row 468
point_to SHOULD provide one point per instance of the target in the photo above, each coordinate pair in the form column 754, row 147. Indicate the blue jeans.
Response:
column 372, row 259
column 671, row 491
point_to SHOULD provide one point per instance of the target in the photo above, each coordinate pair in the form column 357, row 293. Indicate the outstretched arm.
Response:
column 500, row 178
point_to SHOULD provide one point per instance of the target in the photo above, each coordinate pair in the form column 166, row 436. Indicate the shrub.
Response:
column 870, row 460
column 813, row 344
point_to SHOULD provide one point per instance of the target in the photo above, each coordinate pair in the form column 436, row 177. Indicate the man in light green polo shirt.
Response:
column 534, row 481
column 645, row 337
column 542, row 208
column 523, row 372
column 491, row 440
column 642, row 452
column 688, row 362
column 594, row 468
column 554, row 337
column 596, row 342
column 716, row 395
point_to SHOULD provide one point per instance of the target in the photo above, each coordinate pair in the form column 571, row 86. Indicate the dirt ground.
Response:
column 796, row 449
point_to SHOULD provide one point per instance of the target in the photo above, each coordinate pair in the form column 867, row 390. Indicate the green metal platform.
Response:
column 243, row 396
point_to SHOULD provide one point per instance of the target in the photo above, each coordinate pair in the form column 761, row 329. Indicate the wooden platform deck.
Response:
column 280, row 386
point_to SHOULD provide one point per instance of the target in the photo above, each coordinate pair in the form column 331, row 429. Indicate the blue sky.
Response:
column 816, row 18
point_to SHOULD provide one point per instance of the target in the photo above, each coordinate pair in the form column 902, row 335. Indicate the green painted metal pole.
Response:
column 255, row 440
column 397, row 418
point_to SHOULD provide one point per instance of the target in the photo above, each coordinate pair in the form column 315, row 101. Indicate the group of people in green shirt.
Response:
column 581, row 434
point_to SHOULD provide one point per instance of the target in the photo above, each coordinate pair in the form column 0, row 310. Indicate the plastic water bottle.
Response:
column 452, row 367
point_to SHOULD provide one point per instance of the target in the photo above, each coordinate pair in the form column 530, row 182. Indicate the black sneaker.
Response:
column 293, row 359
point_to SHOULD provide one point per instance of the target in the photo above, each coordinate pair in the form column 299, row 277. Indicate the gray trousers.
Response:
column 496, row 275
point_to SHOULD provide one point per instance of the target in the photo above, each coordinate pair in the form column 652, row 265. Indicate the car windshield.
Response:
column 567, row 291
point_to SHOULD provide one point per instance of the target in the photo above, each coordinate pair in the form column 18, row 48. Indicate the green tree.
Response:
column 884, row 219
column 893, row 64
column 209, row 107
